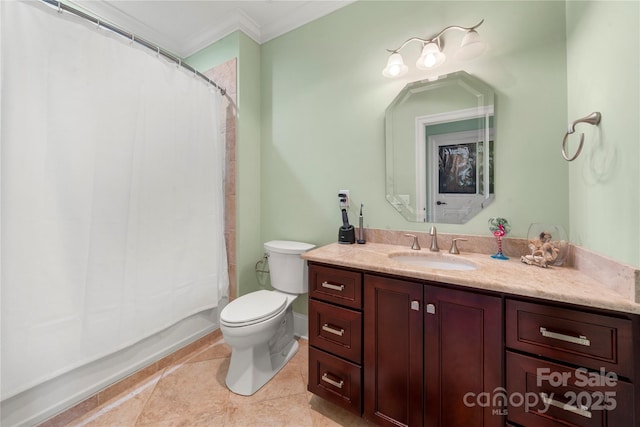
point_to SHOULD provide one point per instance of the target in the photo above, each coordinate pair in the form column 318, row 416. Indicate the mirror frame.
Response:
column 418, row 210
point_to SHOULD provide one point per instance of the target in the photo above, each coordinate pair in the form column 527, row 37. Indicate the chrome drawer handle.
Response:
column 332, row 286
column 582, row 410
column 326, row 379
column 582, row 340
column 333, row 331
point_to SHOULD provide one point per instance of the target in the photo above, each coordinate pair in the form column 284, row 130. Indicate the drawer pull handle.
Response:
column 327, row 328
column 582, row 340
column 582, row 410
column 332, row 286
column 326, row 379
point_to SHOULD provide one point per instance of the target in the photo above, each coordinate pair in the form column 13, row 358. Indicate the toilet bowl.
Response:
column 258, row 326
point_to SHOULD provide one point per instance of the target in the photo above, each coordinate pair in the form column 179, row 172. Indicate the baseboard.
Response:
column 301, row 325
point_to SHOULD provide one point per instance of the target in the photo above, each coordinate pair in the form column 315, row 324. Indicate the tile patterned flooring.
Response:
column 192, row 393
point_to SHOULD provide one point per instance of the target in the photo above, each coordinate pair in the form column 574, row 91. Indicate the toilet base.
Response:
column 246, row 382
column 252, row 367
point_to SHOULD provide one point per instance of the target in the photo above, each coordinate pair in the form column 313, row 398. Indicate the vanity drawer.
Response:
column 337, row 330
column 585, row 339
column 335, row 285
column 335, row 380
column 545, row 394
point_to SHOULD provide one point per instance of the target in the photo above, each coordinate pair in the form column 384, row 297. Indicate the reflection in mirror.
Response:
column 439, row 149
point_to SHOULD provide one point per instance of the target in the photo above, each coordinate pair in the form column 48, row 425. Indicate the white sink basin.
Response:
column 436, row 262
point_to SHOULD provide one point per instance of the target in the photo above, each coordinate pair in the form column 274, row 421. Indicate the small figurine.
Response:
column 543, row 251
column 499, row 227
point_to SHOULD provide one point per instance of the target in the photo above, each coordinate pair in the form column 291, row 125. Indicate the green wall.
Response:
column 324, row 98
column 603, row 50
column 217, row 53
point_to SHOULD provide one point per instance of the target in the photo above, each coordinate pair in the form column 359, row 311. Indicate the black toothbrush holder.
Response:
column 346, row 232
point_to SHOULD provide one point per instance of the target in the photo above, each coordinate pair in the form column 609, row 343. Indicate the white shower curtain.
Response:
column 112, row 169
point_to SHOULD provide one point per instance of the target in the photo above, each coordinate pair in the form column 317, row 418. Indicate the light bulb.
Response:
column 394, row 70
column 431, row 57
column 429, row 60
column 471, row 46
column 395, row 66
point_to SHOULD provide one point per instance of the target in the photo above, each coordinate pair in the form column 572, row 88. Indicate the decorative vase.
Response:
column 548, row 241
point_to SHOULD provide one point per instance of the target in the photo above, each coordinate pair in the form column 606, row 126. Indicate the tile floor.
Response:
column 192, row 393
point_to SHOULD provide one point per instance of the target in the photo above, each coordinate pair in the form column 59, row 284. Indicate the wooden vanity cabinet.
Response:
column 408, row 352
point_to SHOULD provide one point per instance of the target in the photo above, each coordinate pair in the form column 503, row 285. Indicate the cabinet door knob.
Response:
column 431, row 309
column 415, row 305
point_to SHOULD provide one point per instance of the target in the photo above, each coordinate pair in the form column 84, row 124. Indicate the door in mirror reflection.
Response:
column 456, row 187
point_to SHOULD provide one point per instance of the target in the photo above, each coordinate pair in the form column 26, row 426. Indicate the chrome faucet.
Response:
column 434, row 239
column 454, row 246
column 415, row 245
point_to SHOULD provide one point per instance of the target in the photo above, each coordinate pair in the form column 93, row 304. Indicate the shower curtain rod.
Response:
column 62, row 6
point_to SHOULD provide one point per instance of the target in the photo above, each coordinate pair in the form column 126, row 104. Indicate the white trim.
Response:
column 301, row 325
column 237, row 20
column 309, row 11
column 222, row 25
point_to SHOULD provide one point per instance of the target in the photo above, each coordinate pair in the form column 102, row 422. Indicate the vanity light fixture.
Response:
column 432, row 55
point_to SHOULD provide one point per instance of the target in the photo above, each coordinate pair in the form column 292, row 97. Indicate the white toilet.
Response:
column 259, row 326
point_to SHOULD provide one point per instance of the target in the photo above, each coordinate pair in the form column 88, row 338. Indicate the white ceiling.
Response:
column 186, row 26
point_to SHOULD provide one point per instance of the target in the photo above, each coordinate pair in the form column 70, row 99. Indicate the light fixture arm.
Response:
column 457, row 27
column 435, row 38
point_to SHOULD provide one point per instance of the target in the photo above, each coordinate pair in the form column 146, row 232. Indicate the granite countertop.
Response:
column 562, row 284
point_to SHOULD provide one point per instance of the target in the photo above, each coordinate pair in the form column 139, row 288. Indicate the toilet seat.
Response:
column 252, row 308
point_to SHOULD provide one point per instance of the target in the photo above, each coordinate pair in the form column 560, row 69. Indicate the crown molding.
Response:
column 298, row 14
column 301, row 15
column 237, row 20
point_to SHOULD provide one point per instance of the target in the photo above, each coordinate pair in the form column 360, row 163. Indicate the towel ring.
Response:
column 592, row 119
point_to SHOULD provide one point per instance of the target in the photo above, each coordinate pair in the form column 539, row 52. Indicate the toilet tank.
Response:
column 287, row 270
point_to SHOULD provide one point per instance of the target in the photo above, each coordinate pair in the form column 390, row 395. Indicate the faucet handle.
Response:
column 434, row 239
column 415, row 245
column 454, row 246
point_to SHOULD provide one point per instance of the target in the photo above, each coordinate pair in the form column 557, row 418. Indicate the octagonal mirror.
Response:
column 439, row 149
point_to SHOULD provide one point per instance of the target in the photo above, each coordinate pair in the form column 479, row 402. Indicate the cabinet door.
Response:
column 463, row 358
column 393, row 351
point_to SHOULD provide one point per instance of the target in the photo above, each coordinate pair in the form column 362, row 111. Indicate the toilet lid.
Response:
column 253, row 307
